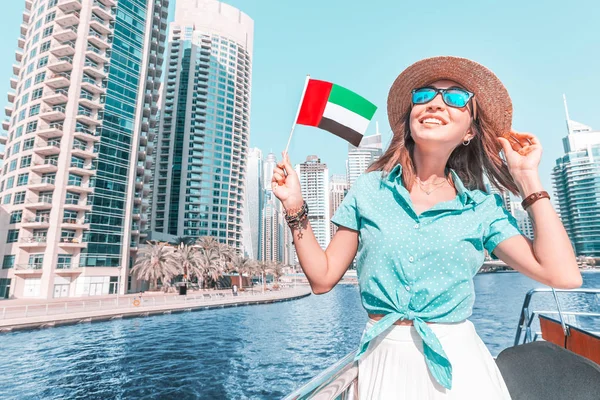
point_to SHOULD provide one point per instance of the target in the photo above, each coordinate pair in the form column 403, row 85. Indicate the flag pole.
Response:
column 297, row 112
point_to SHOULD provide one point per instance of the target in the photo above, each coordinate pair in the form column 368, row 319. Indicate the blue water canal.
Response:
column 254, row 352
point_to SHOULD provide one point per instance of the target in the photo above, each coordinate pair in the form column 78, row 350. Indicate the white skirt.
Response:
column 394, row 366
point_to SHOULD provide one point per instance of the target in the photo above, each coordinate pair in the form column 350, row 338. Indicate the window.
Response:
column 68, row 236
column 77, row 162
column 52, row 3
column 19, row 132
column 63, row 261
column 47, row 31
column 40, row 77
column 37, row 93
column 13, row 236
column 74, row 180
column 37, row 25
column 23, row 179
column 31, row 127
column 45, row 197
column 27, row 83
column 16, row 216
column 24, row 99
column 28, row 144
column 30, row 68
column 19, row 198
column 10, row 182
column 44, row 47
column 16, row 148
column 72, row 198
column 33, row 53
column 12, row 166
column 42, row 62
column 50, row 17
column 69, row 217
column 8, row 262
column 36, row 260
column 25, row 161
column 34, row 110
column 6, row 199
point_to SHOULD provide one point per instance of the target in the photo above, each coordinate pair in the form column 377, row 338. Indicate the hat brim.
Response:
column 490, row 93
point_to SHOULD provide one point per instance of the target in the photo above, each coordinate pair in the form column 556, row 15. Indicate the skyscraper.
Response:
column 576, row 181
column 359, row 158
column 314, row 180
column 77, row 152
column 254, row 199
column 272, row 218
column 204, row 124
column 338, row 187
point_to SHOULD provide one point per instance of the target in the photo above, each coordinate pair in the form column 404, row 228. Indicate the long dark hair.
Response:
column 470, row 162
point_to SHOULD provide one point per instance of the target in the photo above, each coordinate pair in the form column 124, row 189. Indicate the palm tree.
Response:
column 263, row 267
column 188, row 261
column 243, row 265
column 154, row 262
column 277, row 270
column 221, row 254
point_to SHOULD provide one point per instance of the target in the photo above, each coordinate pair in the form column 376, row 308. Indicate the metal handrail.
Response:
column 527, row 315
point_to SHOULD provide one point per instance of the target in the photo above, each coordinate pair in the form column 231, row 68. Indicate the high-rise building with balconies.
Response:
column 314, row 180
column 360, row 158
column 76, row 165
column 204, row 124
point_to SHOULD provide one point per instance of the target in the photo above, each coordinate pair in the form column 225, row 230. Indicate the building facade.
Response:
column 255, row 199
column 314, row 180
column 272, row 222
column 576, row 182
column 204, row 125
column 338, row 187
column 361, row 157
column 76, row 166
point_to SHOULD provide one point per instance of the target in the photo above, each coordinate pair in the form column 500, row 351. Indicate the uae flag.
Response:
column 336, row 109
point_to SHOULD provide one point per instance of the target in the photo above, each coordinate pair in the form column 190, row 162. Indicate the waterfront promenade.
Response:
column 21, row 314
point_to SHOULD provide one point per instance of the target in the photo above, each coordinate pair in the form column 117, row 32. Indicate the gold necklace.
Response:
column 435, row 185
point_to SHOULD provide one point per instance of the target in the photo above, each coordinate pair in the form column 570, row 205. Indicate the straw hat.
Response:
column 490, row 93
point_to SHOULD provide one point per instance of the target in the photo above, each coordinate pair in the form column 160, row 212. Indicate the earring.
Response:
column 466, row 143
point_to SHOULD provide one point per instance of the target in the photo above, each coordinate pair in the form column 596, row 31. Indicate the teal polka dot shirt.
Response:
column 420, row 267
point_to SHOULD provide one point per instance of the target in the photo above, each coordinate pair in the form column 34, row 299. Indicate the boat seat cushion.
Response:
column 542, row 370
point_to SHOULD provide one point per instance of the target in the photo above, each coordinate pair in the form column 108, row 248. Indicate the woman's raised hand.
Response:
column 286, row 185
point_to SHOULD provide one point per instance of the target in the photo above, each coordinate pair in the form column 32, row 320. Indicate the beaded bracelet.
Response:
column 296, row 220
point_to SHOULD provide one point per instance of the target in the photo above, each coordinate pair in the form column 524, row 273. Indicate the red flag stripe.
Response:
column 314, row 102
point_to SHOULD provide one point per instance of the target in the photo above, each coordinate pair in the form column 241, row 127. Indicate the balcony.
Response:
column 52, row 131
column 62, row 64
column 67, row 268
column 75, row 223
column 41, row 203
column 3, row 139
column 108, row 3
column 88, row 118
column 90, row 101
column 88, row 170
column 86, row 134
column 19, row 56
column 37, row 222
column 66, row 34
column 54, row 97
column 13, row 82
column 104, row 12
column 83, row 151
column 42, row 167
column 96, row 55
column 98, row 40
column 60, row 80
column 16, row 68
column 99, row 25
column 80, row 205
column 32, row 241
column 63, row 49
column 69, row 5
column 91, row 85
column 47, row 149
column 11, row 97
column 54, row 113
column 67, row 242
column 79, row 187
column 8, row 110
column 67, row 19
column 24, row 29
column 41, row 185
column 94, row 69
column 28, row 269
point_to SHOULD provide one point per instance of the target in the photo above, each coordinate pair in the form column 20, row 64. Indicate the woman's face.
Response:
column 437, row 123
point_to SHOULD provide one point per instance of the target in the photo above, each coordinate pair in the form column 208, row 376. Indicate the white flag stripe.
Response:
column 346, row 117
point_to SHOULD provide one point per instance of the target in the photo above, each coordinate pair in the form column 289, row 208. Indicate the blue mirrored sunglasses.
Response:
column 453, row 97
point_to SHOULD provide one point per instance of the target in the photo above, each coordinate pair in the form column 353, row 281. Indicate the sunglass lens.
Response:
column 456, row 97
column 423, row 95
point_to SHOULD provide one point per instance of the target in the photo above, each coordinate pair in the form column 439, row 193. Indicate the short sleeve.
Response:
column 347, row 213
column 500, row 225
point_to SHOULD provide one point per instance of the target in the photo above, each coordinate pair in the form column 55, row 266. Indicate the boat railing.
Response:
column 525, row 332
column 338, row 382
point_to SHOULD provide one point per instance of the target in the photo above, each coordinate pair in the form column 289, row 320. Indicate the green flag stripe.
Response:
column 350, row 100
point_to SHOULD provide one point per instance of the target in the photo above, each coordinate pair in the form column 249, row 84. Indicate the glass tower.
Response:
column 204, row 124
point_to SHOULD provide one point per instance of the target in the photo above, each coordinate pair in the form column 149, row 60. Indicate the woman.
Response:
column 419, row 221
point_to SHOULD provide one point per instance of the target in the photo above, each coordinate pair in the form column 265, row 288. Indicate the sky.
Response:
column 539, row 49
